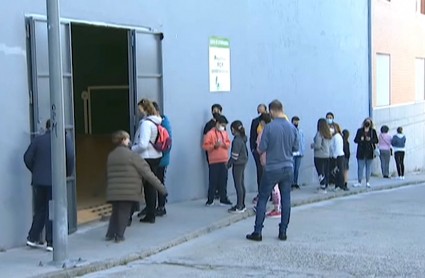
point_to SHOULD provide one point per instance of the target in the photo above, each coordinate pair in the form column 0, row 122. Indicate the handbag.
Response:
column 377, row 152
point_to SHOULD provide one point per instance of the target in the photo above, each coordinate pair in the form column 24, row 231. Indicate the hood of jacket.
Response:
column 156, row 119
column 400, row 135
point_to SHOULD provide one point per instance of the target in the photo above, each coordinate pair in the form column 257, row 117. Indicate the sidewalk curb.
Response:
column 107, row 264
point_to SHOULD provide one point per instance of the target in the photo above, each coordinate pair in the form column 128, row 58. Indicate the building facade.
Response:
column 399, row 74
column 311, row 56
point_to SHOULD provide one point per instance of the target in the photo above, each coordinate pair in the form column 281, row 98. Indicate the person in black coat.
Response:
column 38, row 160
column 366, row 140
column 261, row 109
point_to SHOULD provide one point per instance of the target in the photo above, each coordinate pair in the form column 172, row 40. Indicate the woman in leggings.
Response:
column 399, row 147
column 321, row 146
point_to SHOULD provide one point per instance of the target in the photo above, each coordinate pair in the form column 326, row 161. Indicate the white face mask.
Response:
column 221, row 128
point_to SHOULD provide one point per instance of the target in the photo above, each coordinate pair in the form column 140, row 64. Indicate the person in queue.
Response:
column 127, row 173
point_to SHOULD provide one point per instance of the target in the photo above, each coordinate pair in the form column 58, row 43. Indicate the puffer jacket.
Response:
column 125, row 173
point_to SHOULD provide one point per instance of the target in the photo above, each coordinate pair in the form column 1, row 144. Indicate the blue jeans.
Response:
column 361, row 164
column 284, row 177
column 297, row 164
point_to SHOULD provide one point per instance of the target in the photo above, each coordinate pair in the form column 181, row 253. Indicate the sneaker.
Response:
column 283, row 236
column 119, row 239
column 367, row 185
column 321, row 178
column 148, row 219
column 209, row 203
column 254, row 237
column 235, row 209
column 109, row 238
column 34, row 244
column 160, row 212
column 402, row 177
column 225, row 202
column 345, row 188
column 357, row 184
column 273, row 214
column 255, row 200
column 49, row 247
column 323, row 191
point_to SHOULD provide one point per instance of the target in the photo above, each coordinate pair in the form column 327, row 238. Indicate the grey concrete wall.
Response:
column 312, row 55
column 412, row 118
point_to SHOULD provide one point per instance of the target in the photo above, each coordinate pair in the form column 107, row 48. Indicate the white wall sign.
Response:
column 219, row 64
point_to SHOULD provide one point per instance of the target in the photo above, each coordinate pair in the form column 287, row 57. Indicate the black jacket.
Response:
column 208, row 126
column 346, row 149
column 253, row 134
column 366, row 149
column 38, row 159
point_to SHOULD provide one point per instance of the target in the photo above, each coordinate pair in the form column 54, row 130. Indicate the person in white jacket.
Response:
column 337, row 153
column 146, row 136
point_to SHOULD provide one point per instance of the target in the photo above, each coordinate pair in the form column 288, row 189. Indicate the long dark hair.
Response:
column 323, row 128
column 238, row 126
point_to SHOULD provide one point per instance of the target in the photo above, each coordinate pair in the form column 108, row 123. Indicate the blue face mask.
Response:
column 330, row 121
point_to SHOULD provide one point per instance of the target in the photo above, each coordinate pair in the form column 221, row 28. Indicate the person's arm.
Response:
column 144, row 137
column 146, row 173
column 70, row 156
column 264, row 143
column 235, row 152
column 374, row 139
column 318, row 141
column 29, row 155
column 296, row 143
column 209, row 143
column 358, row 138
column 253, row 135
column 226, row 143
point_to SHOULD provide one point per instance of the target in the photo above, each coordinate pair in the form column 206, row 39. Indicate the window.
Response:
column 383, row 80
column 420, row 79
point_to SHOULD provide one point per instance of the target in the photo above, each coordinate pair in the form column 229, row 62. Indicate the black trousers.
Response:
column 150, row 191
column 161, row 176
column 322, row 168
column 218, row 180
column 332, row 165
column 260, row 168
column 339, row 174
column 119, row 218
column 399, row 162
column 42, row 196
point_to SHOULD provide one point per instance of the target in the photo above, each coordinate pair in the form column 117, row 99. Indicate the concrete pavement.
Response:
column 185, row 221
column 378, row 234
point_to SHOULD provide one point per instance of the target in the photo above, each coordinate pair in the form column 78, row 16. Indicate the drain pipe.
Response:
column 370, row 55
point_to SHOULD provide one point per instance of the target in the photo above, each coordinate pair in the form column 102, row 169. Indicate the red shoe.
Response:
column 273, row 214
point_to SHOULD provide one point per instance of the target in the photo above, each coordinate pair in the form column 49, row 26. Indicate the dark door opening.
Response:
column 101, row 106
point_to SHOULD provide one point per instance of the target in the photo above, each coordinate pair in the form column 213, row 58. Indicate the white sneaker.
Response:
column 367, row 185
column 402, row 177
column 357, row 184
column 34, row 244
column 49, row 248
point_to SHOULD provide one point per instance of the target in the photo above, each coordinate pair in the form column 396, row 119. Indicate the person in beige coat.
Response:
column 126, row 171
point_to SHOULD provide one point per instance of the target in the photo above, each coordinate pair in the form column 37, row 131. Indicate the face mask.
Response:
column 215, row 114
column 367, row 124
column 221, row 128
column 330, row 121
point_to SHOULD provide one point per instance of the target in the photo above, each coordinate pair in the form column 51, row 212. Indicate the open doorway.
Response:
column 101, row 106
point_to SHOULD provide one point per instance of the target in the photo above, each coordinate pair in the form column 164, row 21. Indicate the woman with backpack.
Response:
column 366, row 140
column 144, row 144
column 399, row 145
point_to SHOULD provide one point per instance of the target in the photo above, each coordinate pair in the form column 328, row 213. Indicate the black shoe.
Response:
column 225, row 202
column 209, row 203
column 109, row 238
column 160, row 212
column 130, row 220
column 148, row 219
column 283, row 236
column 254, row 237
column 119, row 239
column 143, row 212
column 296, row 186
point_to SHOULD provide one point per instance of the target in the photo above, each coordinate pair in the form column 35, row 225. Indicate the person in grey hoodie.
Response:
column 399, row 146
column 321, row 146
column 238, row 160
column 146, row 136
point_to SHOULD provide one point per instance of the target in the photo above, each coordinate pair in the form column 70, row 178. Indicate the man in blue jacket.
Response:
column 38, row 160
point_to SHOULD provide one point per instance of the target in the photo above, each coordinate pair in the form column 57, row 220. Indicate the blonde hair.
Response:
column 337, row 128
column 148, row 107
column 119, row 136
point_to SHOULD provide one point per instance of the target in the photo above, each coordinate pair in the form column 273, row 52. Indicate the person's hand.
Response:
column 362, row 138
column 217, row 145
